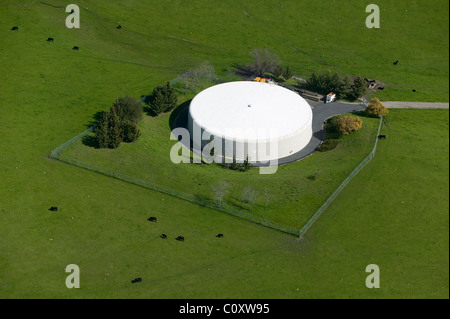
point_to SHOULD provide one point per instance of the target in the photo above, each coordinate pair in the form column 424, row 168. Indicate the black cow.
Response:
column 136, row 280
column 152, row 219
column 219, row 236
column 163, row 236
column 75, row 48
column 180, row 238
column 14, row 28
column 53, row 209
column 396, row 62
column 119, row 27
column 414, row 90
column 50, row 39
column 382, row 137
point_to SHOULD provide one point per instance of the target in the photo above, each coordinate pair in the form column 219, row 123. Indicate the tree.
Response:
column 163, row 99
column 359, row 88
column 108, row 133
column 130, row 131
column 375, row 108
column 101, row 131
column 128, row 108
column 220, row 191
column 114, row 129
column 193, row 77
column 327, row 82
column 249, row 196
column 265, row 61
column 347, row 124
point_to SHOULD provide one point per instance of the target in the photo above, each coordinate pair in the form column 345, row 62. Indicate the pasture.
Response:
column 394, row 213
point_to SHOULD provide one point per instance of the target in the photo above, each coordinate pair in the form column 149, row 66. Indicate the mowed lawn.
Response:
column 394, row 213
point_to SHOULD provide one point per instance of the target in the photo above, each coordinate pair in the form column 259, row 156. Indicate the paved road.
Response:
column 415, row 105
column 321, row 112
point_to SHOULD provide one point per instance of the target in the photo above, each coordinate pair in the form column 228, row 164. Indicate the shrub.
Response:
column 327, row 82
column 101, row 131
column 128, row 108
column 108, row 133
column 375, row 108
column 163, row 99
column 358, row 88
column 130, row 131
column 314, row 176
column 347, row 124
column 343, row 86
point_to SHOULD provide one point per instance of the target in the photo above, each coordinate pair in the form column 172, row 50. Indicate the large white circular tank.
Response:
column 264, row 121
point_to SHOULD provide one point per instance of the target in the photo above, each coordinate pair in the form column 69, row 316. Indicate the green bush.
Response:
column 162, row 100
column 129, row 108
column 108, row 133
column 343, row 86
column 130, row 131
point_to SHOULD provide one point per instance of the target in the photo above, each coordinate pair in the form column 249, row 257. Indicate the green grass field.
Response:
column 293, row 195
column 394, row 213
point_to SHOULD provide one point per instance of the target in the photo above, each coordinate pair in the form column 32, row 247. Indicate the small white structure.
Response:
column 330, row 97
column 238, row 111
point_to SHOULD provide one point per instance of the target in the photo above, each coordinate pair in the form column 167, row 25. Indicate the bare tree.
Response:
column 220, row 191
column 264, row 61
column 193, row 77
column 249, row 196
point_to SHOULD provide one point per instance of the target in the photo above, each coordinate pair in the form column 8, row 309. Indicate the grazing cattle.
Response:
column 414, row 90
column 163, row 236
column 180, row 238
column 382, row 137
column 396, row 62
column 14, row 28
column 119, row 27
column 53, row 209
column 136, row 280
column 219, row 236
column 75, row 48
column 152, row 219
column 50, row 39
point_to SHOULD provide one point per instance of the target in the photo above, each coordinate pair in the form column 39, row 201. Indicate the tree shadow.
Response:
column 361, row 113
column 95, row 119
column 243, row 71
column 89, row 140
column 178, row 117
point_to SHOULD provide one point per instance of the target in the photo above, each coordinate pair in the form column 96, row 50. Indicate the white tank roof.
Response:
column 250, row 105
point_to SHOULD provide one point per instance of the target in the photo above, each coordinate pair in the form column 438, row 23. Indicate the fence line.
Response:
column 343, row 184
column 56, row 154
